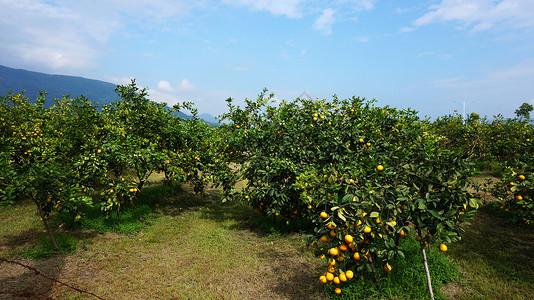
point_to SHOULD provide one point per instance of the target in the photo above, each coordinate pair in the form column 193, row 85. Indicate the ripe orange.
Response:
column 323, row 279
column 522, row 177
column 359, row 223
column 336, row 280
column 367, row 229
column 380, row 167
column 349, row 274
column 329, row 276
column 442, row 247
column 333, row 233
column 519, row 197
column 331, row 269
column 337, row 290
column 402, row 233
column 309, row 206
column 343, row 247
column 387, row 267
column 357, row 256
column 334, row 251
column 361, row 140
column 368, row 144
column 377, row 221
column 324, row 239
column 331, row 262
column 348, row 239
column 324, row 215
column 342, row 277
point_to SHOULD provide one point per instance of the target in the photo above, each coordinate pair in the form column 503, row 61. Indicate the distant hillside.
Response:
column 56, row 86
column 16, row 81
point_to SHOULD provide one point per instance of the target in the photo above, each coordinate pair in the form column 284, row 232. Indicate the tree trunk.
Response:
column 41, row 214
column 374, row 271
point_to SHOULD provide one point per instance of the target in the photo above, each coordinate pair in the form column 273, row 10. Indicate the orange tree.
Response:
column 516, row 188
column 363, row 175
column 39, row 158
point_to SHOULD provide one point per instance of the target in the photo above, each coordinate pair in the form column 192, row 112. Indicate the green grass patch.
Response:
column 279, row 226
column 45, row 249
column 131, row 219
column 406, row 280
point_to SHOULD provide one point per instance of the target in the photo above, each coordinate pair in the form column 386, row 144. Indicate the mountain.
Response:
column 208, row 118
column 56, row 86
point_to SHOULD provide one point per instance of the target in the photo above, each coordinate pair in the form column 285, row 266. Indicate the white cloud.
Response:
column 481, row 14
column 69, row 36
column 186, row 86
column 363, row 4
column 119, row 80
column 325, row 21
column 165, row 86
column 361, row 39
column 289, row 8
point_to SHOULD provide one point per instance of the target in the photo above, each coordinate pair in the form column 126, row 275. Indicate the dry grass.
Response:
column 200, row 249
column 193, row 250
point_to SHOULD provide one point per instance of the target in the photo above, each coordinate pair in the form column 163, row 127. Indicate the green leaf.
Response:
column 374, row 214
column 340, row 215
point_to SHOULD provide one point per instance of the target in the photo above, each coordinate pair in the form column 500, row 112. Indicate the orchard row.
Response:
column 363, row 176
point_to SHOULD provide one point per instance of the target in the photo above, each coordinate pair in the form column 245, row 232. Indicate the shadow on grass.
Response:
column 17, row 280
column 504, row 246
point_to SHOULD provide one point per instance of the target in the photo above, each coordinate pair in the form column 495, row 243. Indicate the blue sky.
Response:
column 419, row 54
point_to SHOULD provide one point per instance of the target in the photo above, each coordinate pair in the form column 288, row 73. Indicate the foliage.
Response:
column 363, row 175
column 405, row 281
column 516, row 188
column 524, row 111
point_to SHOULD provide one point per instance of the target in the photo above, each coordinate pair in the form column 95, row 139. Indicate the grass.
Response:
column 407, row 279
column 189, row 247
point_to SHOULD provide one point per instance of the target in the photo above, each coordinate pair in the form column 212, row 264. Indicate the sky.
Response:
column 431, row 56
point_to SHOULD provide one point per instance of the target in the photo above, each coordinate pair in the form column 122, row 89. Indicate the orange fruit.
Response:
column 331, row 269
column 337, row 291
column 323, row 279
column 522, row 177
column 333, row 233
column 342, row 277
column 377, row 221
column 336, row 280
column 380, row 167
column 519, row 197
column 331, row 262
column 367, row 229
column 348, row 239
column 343, row 247
column 324, row 239
column 357, row 256
column 349, row 274
column 329, row 276
column 402, row 233
column 387, row 267
column 334, row 251
column 324, row 215
column 442, row 247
